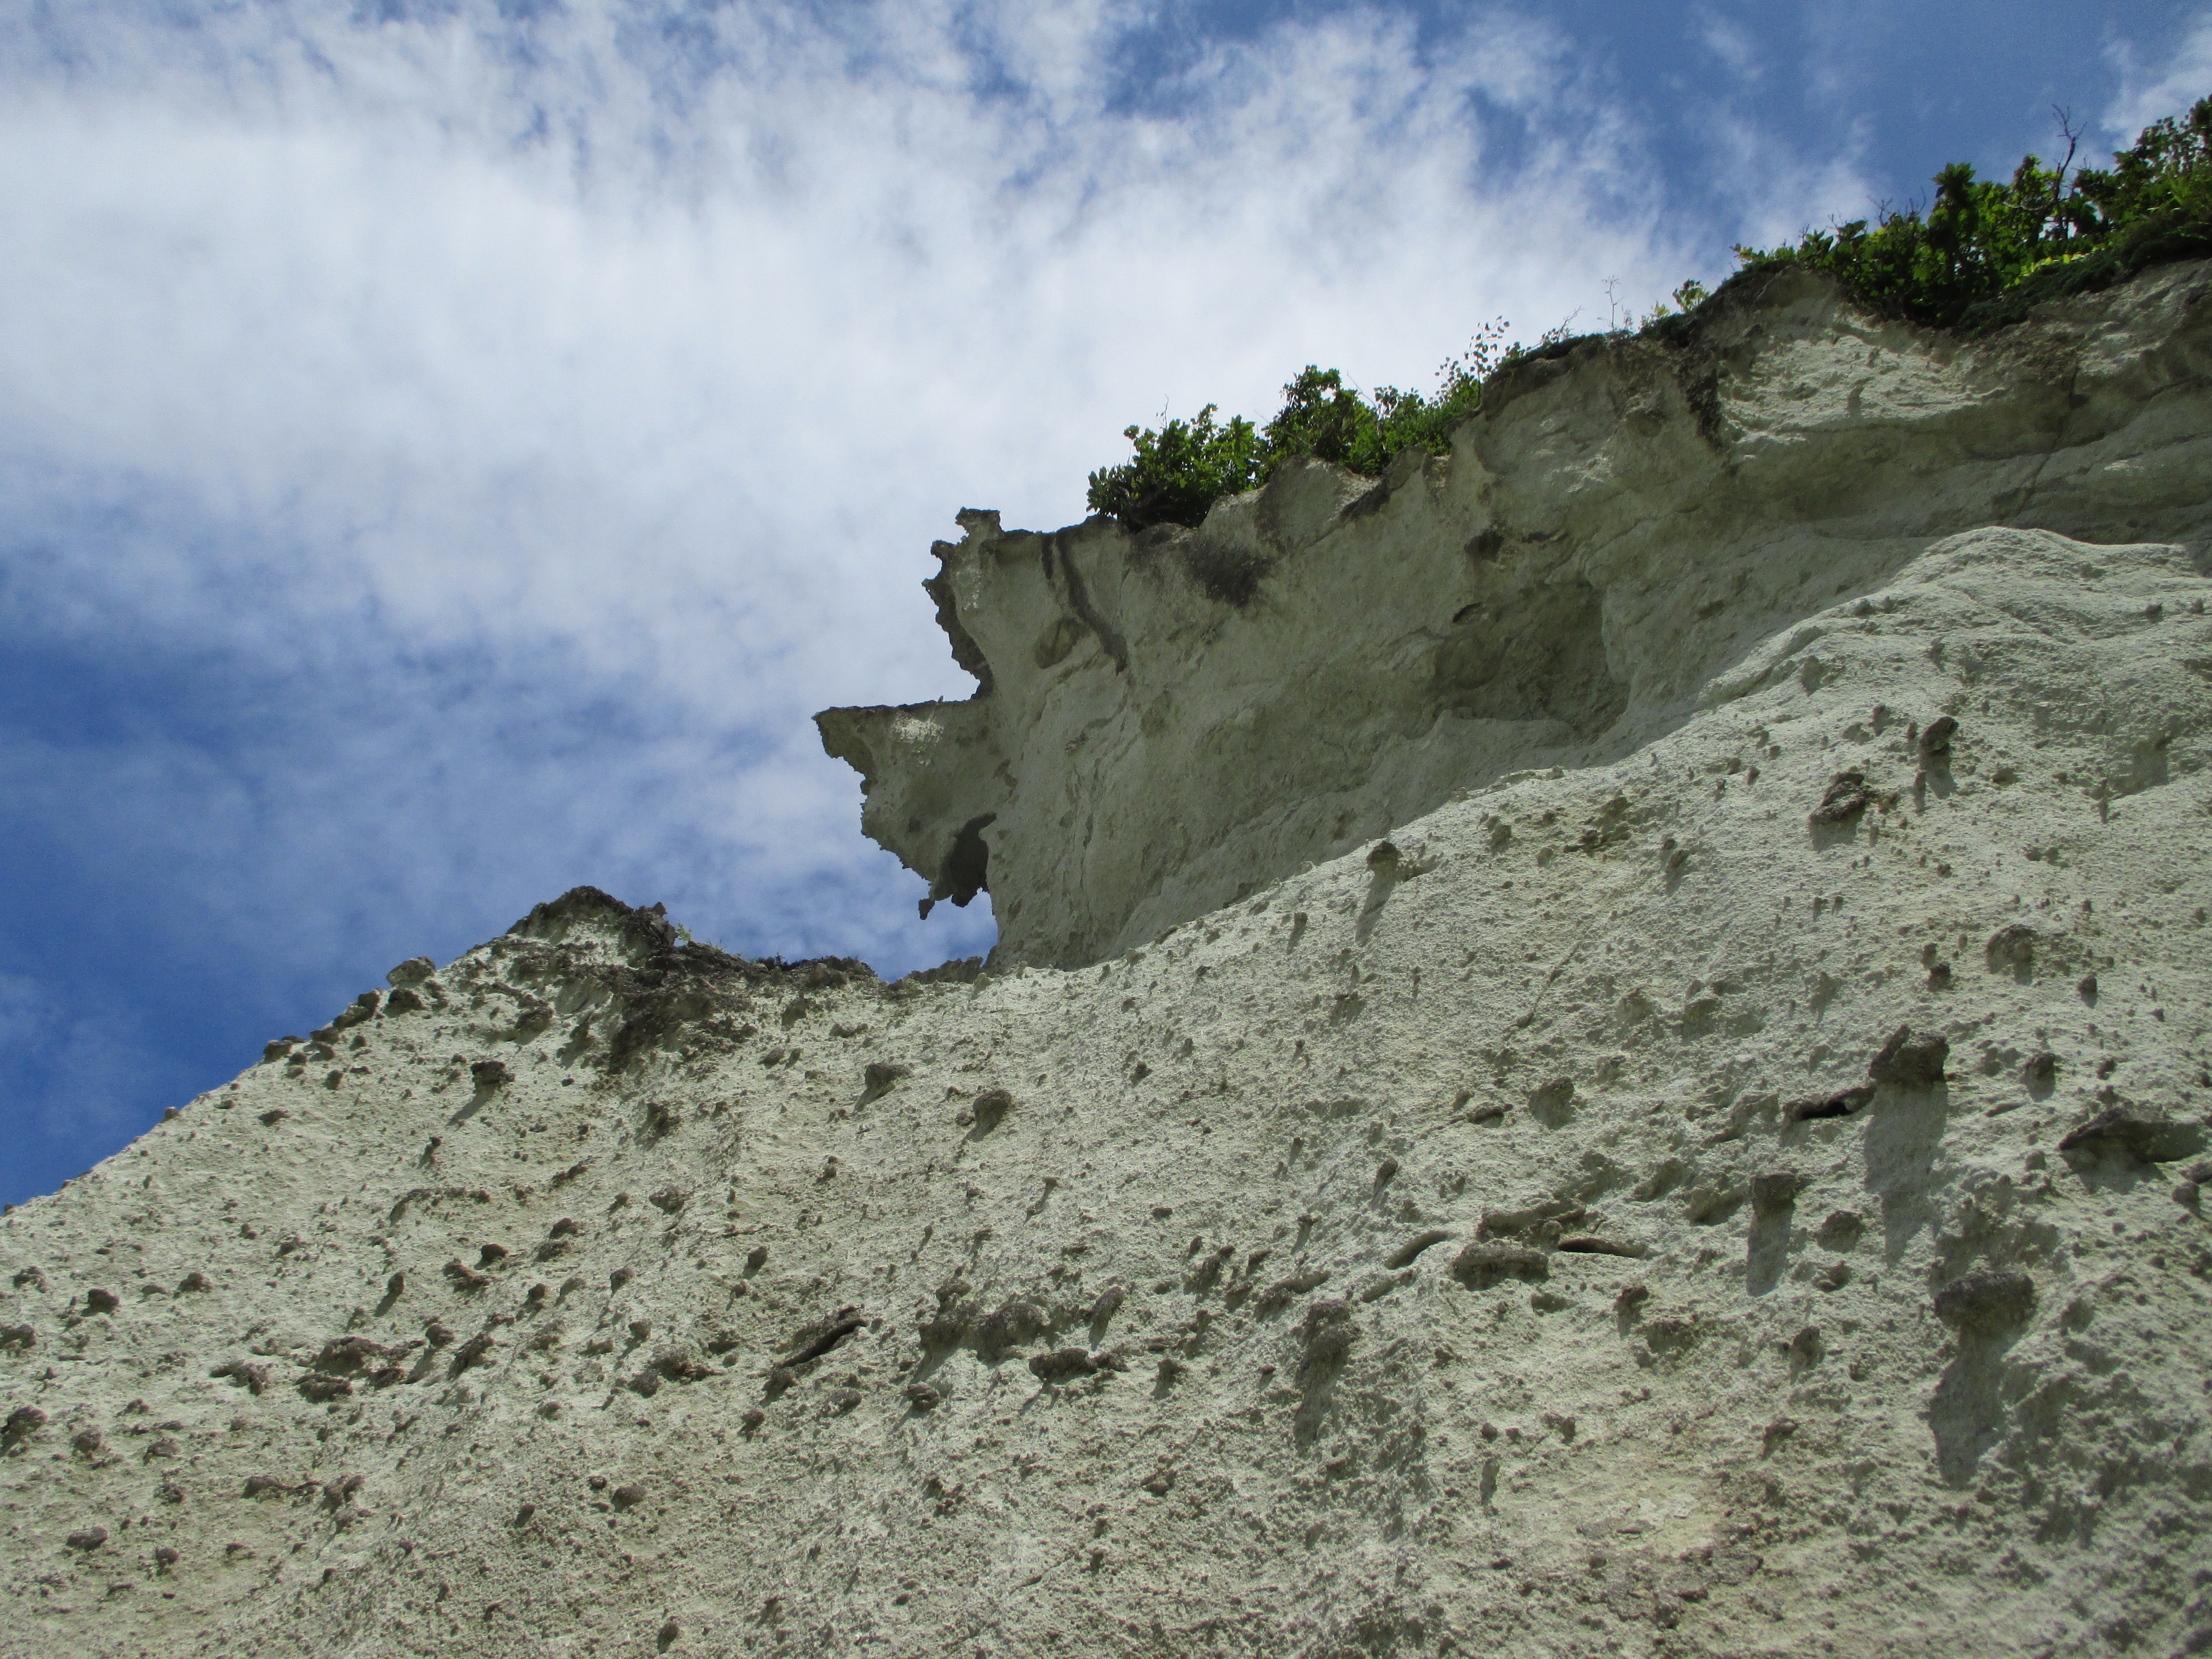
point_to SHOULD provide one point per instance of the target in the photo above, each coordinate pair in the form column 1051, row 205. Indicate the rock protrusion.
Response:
column 1480, row 1264
column 1845, row 797
column 2130, row 1133
column 2012, row 949
column 1774, row 1191
column 990, row 1109
column 1063, row 1365
column 1986, row 1301
column 1908, row 1060
column 22, row 1423
column 1408, row 1252
column 879, row 1076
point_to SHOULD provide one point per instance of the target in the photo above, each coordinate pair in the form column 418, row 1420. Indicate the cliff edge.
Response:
column 1166, row 721
column 1726, row 1175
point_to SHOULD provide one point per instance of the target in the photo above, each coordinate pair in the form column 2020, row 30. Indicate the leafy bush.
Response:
column 1183, row 468
column 1179, row 472
column 1980, row 255
column 1985, row 251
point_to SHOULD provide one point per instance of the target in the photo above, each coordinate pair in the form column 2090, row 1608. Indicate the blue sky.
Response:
column 448, row 449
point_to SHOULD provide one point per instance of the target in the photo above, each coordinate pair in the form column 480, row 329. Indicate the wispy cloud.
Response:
column 650, row 355
column 1784, row 192
column 2157, row 84
column 447, row 451
column 1731, row 44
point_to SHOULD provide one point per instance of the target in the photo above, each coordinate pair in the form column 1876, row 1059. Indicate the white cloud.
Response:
column 2167, row 85
column 1731, row 43
column 627, row 371
column 1779, row 194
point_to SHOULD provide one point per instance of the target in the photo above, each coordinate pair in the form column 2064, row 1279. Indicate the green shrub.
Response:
column 1981, row 254
column 1179, row 471
column 1985, row 251
column 1183, row 468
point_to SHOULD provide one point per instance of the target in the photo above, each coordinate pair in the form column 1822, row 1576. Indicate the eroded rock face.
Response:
column 1637, row 1211
column 1167, row 721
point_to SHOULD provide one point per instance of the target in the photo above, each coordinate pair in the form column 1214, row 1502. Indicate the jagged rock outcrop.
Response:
column 1739, row 1191
column 1167, row 721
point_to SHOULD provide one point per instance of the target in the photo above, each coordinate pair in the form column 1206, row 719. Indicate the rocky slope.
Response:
column 1731, row 1189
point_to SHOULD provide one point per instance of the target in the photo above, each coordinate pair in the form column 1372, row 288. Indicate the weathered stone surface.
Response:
column 1167, row 722
column 1495, row 1248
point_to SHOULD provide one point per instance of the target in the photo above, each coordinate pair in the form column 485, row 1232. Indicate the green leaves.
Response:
column 1981, row 255
column 1180, row 471
column 1984, row 250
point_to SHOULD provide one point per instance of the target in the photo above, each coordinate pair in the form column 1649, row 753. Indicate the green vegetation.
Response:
column 1984, row 252
column 1186, row 466
column 1981, row 254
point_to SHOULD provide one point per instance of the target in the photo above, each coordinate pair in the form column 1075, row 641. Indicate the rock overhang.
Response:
column 1165, row 721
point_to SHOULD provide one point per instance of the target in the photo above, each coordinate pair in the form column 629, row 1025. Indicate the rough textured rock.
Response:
column 1630, row 535
column 1538, row 1240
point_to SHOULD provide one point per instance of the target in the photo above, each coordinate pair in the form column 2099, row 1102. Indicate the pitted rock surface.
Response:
column 1538, row 1240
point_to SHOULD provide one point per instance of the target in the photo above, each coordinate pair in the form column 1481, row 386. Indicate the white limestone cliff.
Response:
column 1726, row 1176
column 1167, row 721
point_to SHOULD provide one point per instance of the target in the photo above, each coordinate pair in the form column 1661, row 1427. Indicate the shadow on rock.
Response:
column 1328, row 1334
column 1773, row 1207
column 1966, row 1414
column 489, row 1076
column 1905, row 1126
column 1388, row 867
